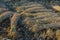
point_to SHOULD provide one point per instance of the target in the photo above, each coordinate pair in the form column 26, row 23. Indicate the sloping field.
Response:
column 30, row 21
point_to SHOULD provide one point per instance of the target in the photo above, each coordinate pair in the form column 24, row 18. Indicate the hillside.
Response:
column 29, row 20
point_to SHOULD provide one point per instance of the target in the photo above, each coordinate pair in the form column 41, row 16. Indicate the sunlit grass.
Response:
column 56, row 8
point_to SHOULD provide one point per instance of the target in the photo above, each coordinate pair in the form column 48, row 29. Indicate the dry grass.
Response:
column 56, row 8
column 32, row 22
column 58, row 34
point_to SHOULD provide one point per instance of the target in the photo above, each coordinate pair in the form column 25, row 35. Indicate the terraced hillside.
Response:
column 30, row 21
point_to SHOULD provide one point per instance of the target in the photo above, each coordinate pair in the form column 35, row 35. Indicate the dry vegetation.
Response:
column 30, row 22
column 56, row 8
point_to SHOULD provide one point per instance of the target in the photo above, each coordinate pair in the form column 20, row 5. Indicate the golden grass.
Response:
column 50, row 33
column 58, row 34
column 56, row 8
